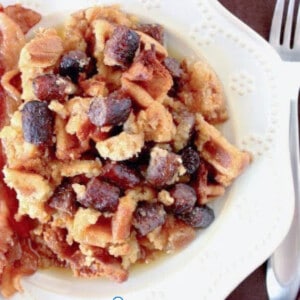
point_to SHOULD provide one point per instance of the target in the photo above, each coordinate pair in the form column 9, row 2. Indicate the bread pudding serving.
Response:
column 110, row 154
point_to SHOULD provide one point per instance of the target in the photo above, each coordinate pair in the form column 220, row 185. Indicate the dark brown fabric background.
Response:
column 258, row 15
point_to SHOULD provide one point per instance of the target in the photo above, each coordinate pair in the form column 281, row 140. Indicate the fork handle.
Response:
column 284, row 265
column 291, row 70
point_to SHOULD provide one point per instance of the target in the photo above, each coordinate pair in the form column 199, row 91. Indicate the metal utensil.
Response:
column 289, row 46
column 283, row 269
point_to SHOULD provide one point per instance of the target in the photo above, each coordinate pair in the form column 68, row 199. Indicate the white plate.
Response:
column 255, row 214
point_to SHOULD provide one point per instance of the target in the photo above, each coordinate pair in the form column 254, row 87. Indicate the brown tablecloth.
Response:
column 258, row 15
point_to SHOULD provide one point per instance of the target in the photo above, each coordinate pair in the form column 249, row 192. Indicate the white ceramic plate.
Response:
column 255, row 214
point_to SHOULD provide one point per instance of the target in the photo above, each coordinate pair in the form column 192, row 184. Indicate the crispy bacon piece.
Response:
column 121, row 221
column 148, row 43
column 23, row 261
column 201, row 182
column 227, row 160
column 148, row 72
column 4, row 109
column 120, row 49
column 10, row 228
column 104, row 265
column 55, row 239
column 11, row 83
column 16, row 256
column 12, row 41
column 8, row 207
column 68, row 146
column 6, row 240
column 137, row 93
column 26, row 18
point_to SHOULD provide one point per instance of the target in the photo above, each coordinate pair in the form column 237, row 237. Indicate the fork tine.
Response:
column 297, row 31
column 277, row 23
column 288, row 25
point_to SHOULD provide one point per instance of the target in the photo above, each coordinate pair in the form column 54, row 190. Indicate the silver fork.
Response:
column 286, row 52
column 283, row 268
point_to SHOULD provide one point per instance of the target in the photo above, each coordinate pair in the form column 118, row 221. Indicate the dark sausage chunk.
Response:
column 64, row 199
column 121, row 47
column 154, row 30
column 184, row 198
column 199, row 217
column 37, row 123
column 173, row 66
column 120, row 175
column 50, row 86
column 101, row 196
column 148, row 216
column 109, row 111
column 162, row 168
